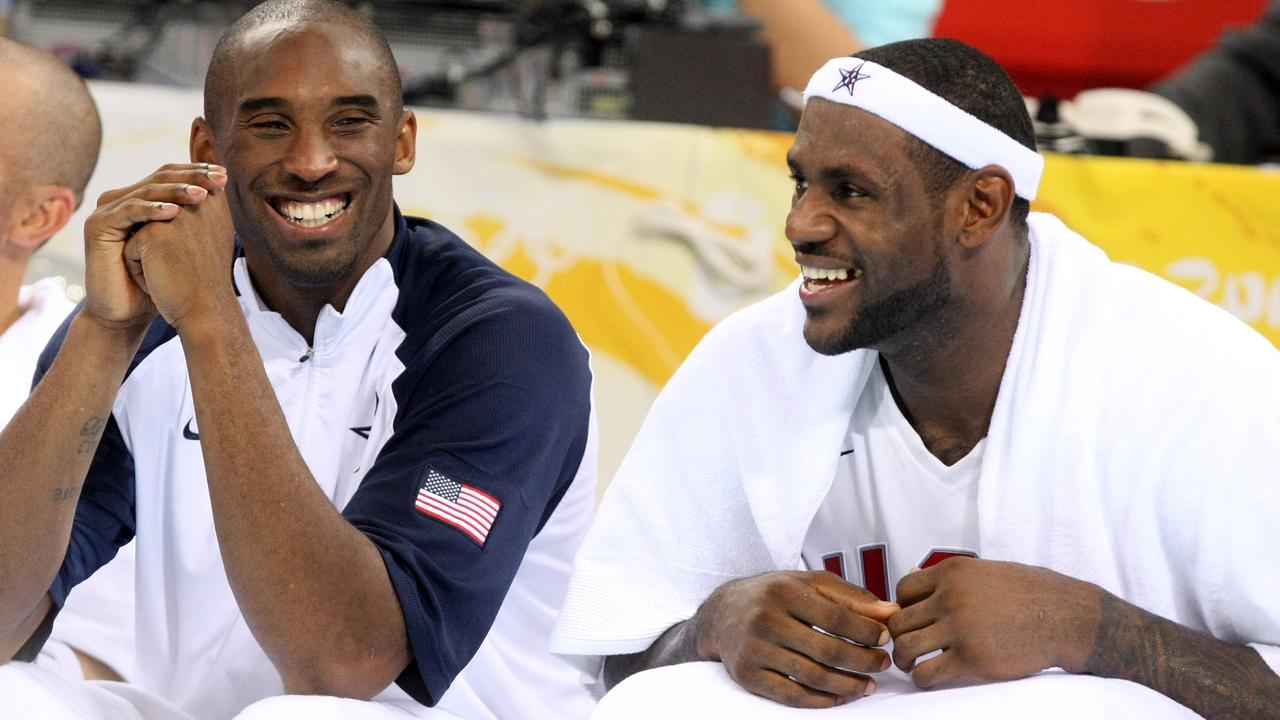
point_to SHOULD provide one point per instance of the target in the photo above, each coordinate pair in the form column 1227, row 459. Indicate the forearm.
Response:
column 45, row 452
column 1213, row 678
column 312, row 588
column 802, row 34
column 677, row 645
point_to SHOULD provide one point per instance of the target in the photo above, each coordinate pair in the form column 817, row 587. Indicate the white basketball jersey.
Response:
column 893, row 505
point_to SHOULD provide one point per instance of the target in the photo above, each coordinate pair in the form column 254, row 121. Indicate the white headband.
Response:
column 947, row 128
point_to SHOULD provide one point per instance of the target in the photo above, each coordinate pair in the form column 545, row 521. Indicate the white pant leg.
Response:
column 28, row 691
column 320, row 707
column 702, row 690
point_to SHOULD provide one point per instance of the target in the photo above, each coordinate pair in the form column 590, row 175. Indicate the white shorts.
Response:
column 704, row 690
column 28, row 691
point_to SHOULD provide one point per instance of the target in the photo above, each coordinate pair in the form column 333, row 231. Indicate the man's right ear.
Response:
column 35, row 217
column 203, row 149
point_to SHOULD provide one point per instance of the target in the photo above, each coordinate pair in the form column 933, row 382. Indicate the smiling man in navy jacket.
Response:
column 357, row 456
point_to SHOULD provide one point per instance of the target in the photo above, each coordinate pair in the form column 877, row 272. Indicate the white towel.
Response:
column 1135, row 444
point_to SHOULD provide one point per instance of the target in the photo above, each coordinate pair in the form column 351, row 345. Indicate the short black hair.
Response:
column 293, row 12
column 972, row 81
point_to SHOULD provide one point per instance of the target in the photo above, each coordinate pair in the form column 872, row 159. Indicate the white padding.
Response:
column 29, row 691
column 694, row 691
column 945, row 127
column 317, row 707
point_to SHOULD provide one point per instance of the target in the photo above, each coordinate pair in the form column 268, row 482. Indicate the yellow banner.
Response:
column 1214, row 229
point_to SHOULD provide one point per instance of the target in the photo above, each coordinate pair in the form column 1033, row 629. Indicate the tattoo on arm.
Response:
column 1214, row 678
column 89, row 434
column 63, row 494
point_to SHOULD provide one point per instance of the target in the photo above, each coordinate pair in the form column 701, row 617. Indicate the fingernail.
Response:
column 166, row 206
column 884, row 664
column 195, row 190
column 884, row 637
column 871, row 687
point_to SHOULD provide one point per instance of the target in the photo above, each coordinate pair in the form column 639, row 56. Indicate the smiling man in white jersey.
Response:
column 357, row 456
column 1075, row 454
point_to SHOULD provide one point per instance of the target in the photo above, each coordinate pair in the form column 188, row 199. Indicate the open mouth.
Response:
column 818, row 279
column 312, row 214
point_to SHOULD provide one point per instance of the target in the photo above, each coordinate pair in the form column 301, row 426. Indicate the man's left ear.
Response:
column 44, row 211
column 990, row 197
column 406, row 143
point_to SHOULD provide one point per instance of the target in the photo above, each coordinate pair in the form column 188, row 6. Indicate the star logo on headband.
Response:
column 849, row 78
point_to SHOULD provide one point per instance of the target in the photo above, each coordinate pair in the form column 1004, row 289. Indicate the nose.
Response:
column 810, row 220
column 310, row 155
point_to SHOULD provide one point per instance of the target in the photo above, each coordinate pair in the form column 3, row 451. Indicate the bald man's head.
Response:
column 50, row 133
column 284, row 16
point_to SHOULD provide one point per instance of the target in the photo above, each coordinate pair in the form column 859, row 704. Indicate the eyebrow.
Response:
column 271, row 103
column 263, row 103
column 837, row 173
column 364, row 101
column 844, row 172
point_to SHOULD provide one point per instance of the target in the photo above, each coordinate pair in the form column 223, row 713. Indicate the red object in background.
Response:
column 1064, row 46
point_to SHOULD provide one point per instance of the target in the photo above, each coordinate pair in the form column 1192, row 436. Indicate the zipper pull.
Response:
column 311, row 352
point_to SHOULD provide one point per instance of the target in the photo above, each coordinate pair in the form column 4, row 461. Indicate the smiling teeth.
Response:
column 311, row 215
column 814, row 273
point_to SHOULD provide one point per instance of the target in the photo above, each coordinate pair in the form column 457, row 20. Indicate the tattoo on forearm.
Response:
column 1214, row 678
column 63, row 494
column 89, row 433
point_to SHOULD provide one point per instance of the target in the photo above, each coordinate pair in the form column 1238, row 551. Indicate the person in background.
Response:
column 1232, row 92
column 803, row 34
column 48, row 151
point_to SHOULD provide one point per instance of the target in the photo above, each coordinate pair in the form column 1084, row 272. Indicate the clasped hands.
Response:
column 163, row 244
column 811, row 639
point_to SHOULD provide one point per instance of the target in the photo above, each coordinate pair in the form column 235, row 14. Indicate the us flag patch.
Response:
column 470, row 510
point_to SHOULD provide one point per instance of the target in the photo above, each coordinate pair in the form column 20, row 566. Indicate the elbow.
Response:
column 354, row 679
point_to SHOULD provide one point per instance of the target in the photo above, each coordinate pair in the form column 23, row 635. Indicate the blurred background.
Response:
column 627, row 155
column 717, row 62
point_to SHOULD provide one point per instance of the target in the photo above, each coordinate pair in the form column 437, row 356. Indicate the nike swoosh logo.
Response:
column 188, row 434
column 845, row 452
column 364, row 430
